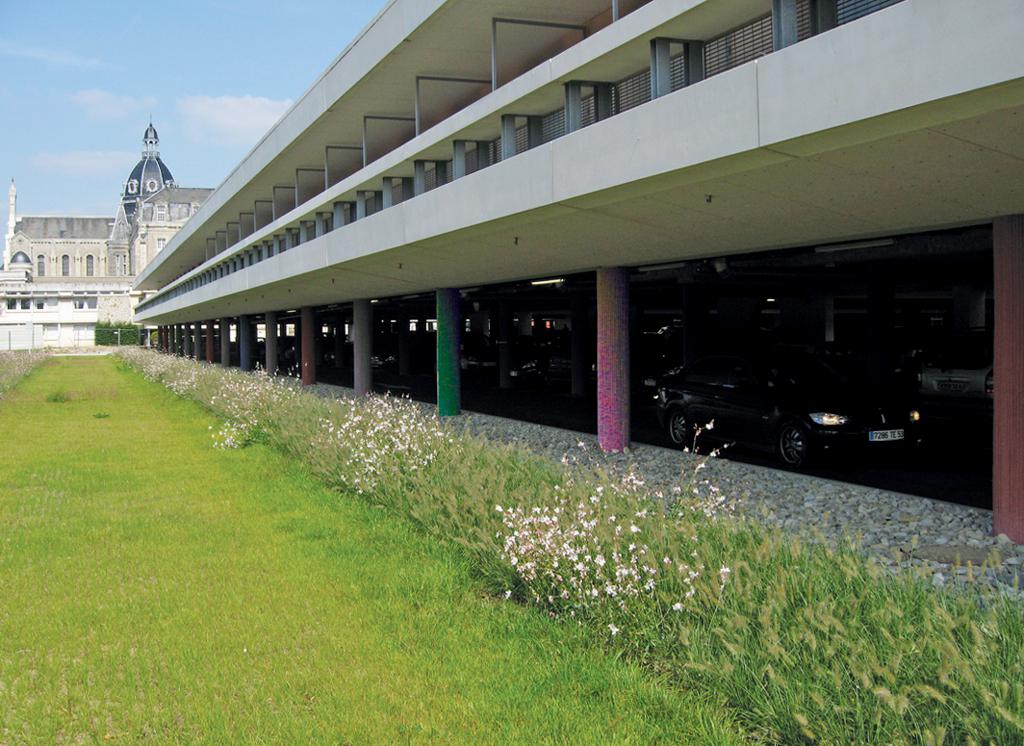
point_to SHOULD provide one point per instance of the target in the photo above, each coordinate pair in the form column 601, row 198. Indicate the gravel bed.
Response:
column 902, row 532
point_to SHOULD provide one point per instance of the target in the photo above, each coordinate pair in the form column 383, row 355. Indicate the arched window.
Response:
column 65, row 266
column 90, row 267
column 41, row 266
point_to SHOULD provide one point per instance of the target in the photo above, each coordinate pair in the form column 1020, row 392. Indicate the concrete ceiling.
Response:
column 456, row 42
column 961, row 173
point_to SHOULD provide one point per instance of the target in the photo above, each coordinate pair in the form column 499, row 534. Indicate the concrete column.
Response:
column 187, row 340
column 362, row 346
column 508, row 136
column 573, row 106
column 225, row 342
column 307, row 345
column 449, row 334
column 784, row 23
column 339, row 339
column 404, row 345
column 244, row 342
column 880, row 320
column 1008, row 377
column 209, row 341
column 578, row 343
column 504, row 345
column 197, row 340
column 270, row 322
column 661, row 63
column 968, row 308
column 612, row 359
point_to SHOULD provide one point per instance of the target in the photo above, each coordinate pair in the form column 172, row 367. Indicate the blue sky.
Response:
column 79, row 80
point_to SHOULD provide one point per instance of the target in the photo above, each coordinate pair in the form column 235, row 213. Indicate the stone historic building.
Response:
column 63, row 274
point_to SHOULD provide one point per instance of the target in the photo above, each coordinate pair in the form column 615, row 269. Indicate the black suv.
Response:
column 794, row 405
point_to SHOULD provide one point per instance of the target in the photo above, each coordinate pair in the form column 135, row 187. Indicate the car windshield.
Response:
column 806, row 371
column 969, row 351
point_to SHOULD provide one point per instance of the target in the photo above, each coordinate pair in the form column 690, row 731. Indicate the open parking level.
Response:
column 800, row 220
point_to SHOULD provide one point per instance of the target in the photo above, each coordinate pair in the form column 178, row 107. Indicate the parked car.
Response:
column 960, row 369
column 794, row 405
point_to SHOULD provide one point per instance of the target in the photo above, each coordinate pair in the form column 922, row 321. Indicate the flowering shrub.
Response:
column 16, row 365
column 804, row 643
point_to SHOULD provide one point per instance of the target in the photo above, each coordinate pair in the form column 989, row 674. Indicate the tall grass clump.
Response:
column 802, row 642
column 16, row 365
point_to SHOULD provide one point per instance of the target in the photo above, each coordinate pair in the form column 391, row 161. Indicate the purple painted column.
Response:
column 612, row 358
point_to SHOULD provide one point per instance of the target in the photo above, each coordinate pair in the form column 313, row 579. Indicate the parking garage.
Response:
column 774, row 207
column 910, row 317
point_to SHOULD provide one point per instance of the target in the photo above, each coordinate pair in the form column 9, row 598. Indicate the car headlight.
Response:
column 828, row 419
column 915, row 416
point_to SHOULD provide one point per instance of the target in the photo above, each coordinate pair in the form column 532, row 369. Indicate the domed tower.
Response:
column 149, row 176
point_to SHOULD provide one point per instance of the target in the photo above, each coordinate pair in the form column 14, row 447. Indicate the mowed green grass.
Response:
column 155, row 589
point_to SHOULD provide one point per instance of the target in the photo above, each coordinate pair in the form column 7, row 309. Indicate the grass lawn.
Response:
column 153, row 588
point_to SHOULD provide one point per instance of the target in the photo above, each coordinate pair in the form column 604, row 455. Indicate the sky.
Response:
column 80, row 80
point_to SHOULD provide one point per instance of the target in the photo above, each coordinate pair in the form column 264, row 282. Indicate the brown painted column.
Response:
column 225, row 342
column 1008, row 377
column 613, row 359
column 209, row 341
column 307, row 345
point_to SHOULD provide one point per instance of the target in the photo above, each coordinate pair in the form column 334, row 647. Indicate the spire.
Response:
column 12, row 204
column 150, row 140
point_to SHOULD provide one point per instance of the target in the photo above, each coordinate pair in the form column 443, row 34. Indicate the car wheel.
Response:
column 679, row 430
column 793, row 444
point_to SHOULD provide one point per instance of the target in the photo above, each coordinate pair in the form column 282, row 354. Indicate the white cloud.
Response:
column 86, row 162
column 106, row 106
column 230, row 120
column 52, row 56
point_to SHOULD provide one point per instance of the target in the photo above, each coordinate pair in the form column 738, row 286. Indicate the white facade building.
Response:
column 61, row 275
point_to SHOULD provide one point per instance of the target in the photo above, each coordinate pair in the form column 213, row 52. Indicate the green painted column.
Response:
column 449, row 335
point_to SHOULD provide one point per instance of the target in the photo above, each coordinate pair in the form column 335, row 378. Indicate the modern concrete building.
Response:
column 555, row 168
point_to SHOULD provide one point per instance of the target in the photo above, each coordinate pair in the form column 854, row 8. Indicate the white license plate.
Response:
column 877, row 436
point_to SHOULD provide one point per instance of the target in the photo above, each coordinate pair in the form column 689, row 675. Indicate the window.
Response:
column 26, row 305
column 40, row 266
column 90, row 266
column 40, row 305
column 160, row 244
column 12, row 304
column 65, row 266
column 161, row 212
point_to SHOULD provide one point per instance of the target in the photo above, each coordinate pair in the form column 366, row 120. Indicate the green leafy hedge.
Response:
column 112, row 334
